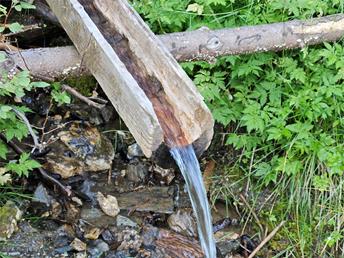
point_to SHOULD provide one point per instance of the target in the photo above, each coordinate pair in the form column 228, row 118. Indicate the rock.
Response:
column 9, row 215
column 137, row 172
column 109, row 204
column 183, row 223
column 78, row 245
column 96, row 217
column 125, row 222
column 41, row 195
column 92, row 233
column 164, row 175
column 109, row 237
column 97, row 248
column 134, row 150
column 81, row 148
column 151, row 199
column 129, row 239
column 228, row 247
column 81, row 255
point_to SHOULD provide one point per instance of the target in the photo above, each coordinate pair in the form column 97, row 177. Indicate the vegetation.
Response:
column 287, row 111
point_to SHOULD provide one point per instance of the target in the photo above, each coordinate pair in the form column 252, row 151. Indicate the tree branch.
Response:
column 202, row 44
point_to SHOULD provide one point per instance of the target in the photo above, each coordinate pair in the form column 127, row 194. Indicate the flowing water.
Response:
column 188, row 164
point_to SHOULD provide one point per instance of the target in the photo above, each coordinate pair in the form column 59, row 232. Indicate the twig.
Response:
column 37, row 145
column 44, row 174
column 260, row 246
column 8, row 47
column 252, row 211
column 78, row 95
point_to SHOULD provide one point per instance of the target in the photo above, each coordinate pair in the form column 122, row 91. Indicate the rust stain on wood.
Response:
column 173, row 134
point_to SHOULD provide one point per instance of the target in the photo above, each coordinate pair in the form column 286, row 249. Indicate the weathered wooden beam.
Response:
column 156, row 99
column 118, row 84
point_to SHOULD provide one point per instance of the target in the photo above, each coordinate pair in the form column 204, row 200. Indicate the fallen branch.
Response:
column 202, row 44
column 267, row 239
column 78, row 95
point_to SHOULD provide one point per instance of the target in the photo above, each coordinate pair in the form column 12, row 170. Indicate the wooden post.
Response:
column 153, row 95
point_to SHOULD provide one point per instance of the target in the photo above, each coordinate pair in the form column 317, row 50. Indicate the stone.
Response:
column 97, row 248
column 125, row 222
column 108, row 205
column 78, row 245
column 79, row 149
column 164, row 175
column 10, row 214
column 41, row 195
column 137, row 172
column 134, row 150
column 96, row 217
column 183, row 223
column 92, row 233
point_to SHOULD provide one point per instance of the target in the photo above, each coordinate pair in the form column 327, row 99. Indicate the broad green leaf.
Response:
column 15, row 27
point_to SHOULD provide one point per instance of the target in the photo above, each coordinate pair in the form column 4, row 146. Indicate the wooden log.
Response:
column 149, row 89
column 206, row 44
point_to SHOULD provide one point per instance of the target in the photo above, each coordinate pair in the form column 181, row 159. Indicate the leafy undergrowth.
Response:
column 287, row 110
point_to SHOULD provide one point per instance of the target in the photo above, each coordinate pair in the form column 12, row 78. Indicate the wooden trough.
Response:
column 155, row 98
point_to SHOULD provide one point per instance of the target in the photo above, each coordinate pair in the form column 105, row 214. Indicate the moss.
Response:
column 84, row 84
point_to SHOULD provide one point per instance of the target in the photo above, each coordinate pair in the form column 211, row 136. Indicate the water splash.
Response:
column 188, row 164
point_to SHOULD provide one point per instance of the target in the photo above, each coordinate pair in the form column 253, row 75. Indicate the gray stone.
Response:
column 134, row 150
column 183, row 223
column 41, row 195
column 125, row 222
column 137, row 172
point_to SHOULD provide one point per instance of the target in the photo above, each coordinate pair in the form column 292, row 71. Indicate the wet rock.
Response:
column 96, row 217
column 97, row 248
column 109, row 204
column 81, row 255
column 41, row 195
column 78, row 245
column 109, row 237
column 92, row 233
column 9, row 215
column 125, row 222
column 228, row 247
column 137, row 172
column 81, row 148
column 164, row 176
column 134, row 150
column 129, row 239
column 183, row 223
column 153, row 199
column 86, row 190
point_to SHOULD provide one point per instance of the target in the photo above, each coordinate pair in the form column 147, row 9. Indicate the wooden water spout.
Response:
column 150, row 91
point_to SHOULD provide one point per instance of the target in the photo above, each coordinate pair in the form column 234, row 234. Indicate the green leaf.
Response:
column 3, row 57
column 3, row 150
column 15, row 27
column 39, row 84
column 26, row 5
column 23, row 166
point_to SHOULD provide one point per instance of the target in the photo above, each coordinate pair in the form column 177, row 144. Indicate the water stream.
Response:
column 188, row 164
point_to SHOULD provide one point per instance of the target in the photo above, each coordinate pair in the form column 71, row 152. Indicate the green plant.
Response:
column 283, row 111
column 6, row 12
column 11, row 125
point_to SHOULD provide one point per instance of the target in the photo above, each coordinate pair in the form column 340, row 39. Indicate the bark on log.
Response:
column 201, row 44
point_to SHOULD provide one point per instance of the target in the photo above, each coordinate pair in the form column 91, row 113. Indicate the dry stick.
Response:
column 44, row 174
column 253, row 212
column 78, row 95
column 37, row 145
column 260, row 246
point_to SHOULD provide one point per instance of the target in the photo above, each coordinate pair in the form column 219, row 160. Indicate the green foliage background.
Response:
column 287, row 111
